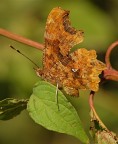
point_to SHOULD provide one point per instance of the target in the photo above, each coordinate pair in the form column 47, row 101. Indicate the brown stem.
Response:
column 110, row 73
column 20, row 39
column 107, row 57
column 91, row 97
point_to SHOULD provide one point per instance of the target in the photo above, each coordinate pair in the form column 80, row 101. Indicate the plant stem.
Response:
column 107, row 56
column 20, row 39
column 91, row 97
column 110, row 73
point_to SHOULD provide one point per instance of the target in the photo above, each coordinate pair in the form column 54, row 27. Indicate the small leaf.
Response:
column 43, row 110
column 10, row 108
column 100, row 134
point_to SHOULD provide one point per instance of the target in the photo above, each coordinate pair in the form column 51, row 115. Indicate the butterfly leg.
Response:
column 56, row 97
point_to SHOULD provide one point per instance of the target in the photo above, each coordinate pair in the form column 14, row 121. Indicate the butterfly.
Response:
column 71, row 71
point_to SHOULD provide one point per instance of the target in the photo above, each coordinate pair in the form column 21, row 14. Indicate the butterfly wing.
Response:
column 59, row 36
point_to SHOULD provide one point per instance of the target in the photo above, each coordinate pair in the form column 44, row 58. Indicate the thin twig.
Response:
column 108, row 53
column 21, row 39
column 110, row 73
column 91, row 97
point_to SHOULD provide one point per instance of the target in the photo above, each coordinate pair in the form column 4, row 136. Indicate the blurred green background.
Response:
column 27, row 18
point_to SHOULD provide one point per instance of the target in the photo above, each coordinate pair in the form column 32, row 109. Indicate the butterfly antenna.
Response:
column 24, row 56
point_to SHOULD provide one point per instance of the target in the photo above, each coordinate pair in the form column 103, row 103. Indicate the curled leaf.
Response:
column 10, row 108
column 100, row 134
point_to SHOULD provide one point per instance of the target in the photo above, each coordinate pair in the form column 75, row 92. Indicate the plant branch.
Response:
column 110, row 73
column 108, row 53
column 91, row 104
column 20, row 39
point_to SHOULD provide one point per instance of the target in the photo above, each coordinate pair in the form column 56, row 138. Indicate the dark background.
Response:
column 27, row 18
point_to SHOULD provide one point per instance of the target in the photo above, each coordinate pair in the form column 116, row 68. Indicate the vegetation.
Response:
column 99, row 22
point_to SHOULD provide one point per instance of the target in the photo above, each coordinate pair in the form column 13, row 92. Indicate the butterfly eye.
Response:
column 74, row 70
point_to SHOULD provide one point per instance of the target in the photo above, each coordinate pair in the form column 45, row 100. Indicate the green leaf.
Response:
column 43, row 110
column 10, row 108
